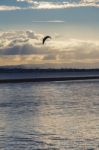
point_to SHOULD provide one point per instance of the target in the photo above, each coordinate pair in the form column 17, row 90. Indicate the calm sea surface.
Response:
column 49, row 116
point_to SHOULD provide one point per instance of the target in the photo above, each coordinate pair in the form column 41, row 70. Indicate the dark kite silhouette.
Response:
column 45, row 38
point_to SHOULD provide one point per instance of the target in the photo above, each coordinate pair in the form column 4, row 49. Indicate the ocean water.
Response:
column 49, row 116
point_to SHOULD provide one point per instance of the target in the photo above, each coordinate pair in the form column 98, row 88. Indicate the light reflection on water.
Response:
column 51, row 116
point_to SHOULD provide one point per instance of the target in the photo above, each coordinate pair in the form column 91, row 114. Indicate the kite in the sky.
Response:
column 45, row 38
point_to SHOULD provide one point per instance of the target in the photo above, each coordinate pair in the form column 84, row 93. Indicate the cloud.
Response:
column 31, row 4
column 9, row 8
column 28, row 1
column 48, row 21
column 61, row 5
column 25, row 47
column 89, row 1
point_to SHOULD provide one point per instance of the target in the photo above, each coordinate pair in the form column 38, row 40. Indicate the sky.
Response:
column 72, row 24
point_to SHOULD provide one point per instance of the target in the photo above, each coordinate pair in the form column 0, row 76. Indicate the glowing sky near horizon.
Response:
column 73, row 25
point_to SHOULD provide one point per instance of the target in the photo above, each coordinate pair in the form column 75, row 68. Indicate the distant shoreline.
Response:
column 19, row 75
column 48, row 79
column 28, row 70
